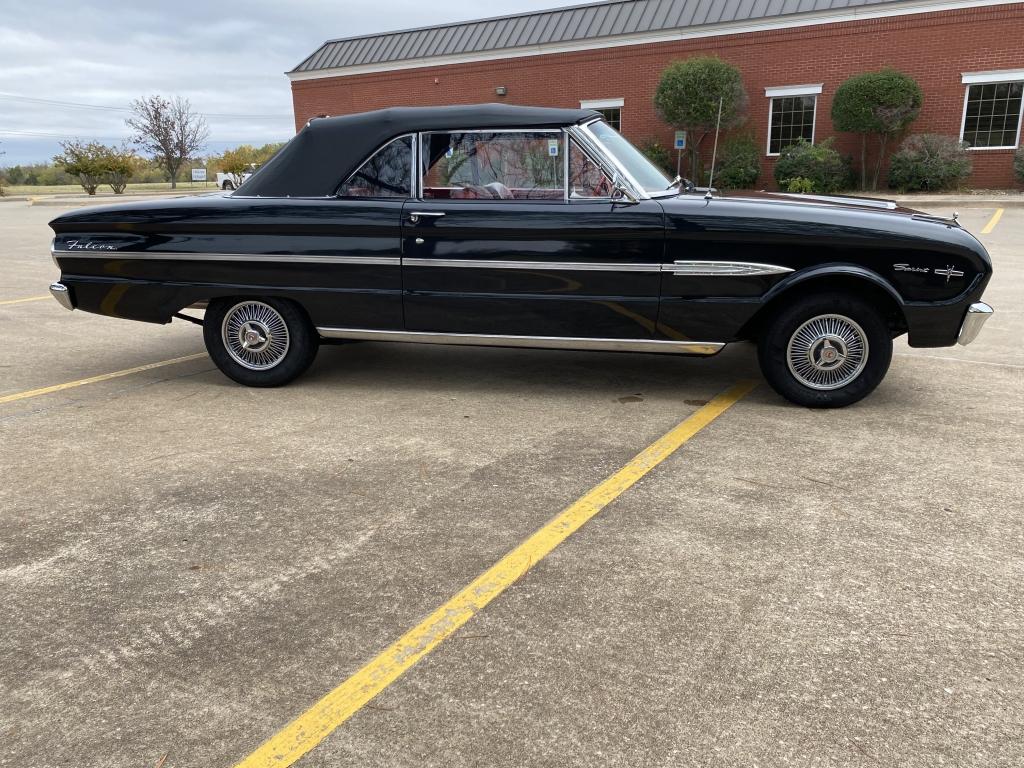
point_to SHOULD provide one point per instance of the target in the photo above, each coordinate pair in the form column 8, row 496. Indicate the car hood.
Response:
column 855, row 223
column 822, row 201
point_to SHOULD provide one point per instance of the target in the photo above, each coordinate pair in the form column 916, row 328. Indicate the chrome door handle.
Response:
column 414, row 216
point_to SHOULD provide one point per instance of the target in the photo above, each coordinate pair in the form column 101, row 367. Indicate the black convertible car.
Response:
column 518, row 226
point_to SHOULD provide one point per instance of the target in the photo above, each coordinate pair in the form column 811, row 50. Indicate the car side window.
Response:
column 388, row 173
column 522, row 165
column 586, row 178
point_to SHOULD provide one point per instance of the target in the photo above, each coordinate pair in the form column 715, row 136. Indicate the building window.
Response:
column 612, row 116
column 992, row 113
column 791, row 115
column 610, row 109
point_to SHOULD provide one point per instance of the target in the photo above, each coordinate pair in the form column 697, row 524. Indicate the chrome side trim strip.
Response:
column 977, row 314
column 680, row 268
column 271, row 257
column 724, row 269
column 534, row 342
column 574, row 266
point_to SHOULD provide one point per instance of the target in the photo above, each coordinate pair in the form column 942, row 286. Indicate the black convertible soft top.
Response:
column 329, row 149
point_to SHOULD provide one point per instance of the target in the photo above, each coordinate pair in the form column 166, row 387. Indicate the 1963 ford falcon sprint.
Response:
column 518, row 226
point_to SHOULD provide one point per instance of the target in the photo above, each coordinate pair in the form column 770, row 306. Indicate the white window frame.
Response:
column 619, row 104
column 993, row 77
column 783, row 91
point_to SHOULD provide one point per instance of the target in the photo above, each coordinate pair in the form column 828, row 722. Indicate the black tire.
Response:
column 285, row 344
column 228, row 186
column 824, row 367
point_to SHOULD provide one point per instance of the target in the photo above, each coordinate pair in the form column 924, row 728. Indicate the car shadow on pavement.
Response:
column 426, row 368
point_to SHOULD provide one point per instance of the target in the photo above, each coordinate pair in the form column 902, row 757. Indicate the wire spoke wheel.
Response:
column 827, row 352
column 255, row 335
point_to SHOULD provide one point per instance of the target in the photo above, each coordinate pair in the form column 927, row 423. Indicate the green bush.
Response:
column 658, row 155
column 800, row 186
column 819, row 165
column 739, row 163
column 929, row 162
column 1018, row 163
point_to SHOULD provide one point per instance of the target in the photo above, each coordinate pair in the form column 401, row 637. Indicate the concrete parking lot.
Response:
column 187, row 565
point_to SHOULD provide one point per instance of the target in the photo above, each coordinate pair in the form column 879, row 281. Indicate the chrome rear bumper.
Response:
column 977, row 314
column 60, row 292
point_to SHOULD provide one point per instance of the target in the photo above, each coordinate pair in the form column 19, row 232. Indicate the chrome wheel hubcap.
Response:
column 827, row 352
column 255, row 335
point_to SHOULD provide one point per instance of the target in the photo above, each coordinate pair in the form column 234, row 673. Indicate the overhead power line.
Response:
column 44, row 134
column 111, row 108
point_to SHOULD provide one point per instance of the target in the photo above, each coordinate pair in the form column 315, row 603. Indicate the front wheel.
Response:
column 259, row 342
column 826, row 351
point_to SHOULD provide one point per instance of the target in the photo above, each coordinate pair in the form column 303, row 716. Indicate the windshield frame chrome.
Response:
column 609, row 162
column 612, row 162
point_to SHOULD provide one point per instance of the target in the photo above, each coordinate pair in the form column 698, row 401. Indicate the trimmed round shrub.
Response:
column 880, row 103
column 739, row 163
column 818, row 166
column 929, row 162
column 1018, row 163
column 688, row 96
column 883, row 102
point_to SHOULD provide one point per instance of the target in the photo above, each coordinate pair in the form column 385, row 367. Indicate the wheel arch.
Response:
column 841, row 278
column 178, row 307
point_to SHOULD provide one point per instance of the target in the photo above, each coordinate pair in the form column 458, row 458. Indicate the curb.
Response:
column 50, row 202
column 962, row 202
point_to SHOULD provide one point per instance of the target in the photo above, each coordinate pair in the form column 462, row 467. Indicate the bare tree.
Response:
column 168, row 130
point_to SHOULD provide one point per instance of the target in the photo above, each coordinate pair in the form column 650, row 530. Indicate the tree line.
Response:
column 167, row 136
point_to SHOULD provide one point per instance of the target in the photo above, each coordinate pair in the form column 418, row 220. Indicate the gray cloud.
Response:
column 227, row 57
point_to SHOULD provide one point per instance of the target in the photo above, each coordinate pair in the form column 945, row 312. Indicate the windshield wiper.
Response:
column 675, row 182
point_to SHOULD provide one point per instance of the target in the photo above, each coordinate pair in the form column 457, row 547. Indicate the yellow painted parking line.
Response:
column 96, row 379
column 22, row 301
column 314, row 725
column 992, row 222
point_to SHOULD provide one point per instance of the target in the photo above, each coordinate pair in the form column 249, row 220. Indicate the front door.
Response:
column 499, row 243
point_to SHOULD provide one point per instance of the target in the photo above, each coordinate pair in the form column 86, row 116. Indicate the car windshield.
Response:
column 646, row 173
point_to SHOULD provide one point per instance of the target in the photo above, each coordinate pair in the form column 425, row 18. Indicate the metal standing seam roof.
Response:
column 560, row 25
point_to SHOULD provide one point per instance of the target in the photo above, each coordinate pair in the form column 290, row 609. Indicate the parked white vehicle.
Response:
column 229, row 181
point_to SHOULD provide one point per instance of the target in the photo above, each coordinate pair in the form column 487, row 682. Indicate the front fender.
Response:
column 831, row 271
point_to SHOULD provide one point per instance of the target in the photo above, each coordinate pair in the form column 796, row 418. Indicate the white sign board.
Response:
column 553, row 147
column 198, row 174
column 680, row 140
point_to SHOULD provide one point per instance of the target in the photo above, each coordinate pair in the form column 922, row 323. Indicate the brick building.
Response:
column 968, row 57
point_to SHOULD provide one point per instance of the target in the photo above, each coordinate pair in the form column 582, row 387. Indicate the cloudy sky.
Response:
column 227, row 56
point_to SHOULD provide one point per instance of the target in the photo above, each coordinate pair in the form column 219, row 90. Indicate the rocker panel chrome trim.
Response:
column 534, row 342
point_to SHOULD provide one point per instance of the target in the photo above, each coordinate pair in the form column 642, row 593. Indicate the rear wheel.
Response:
column 259, row 342
column 228, row 186
column 826, row 351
